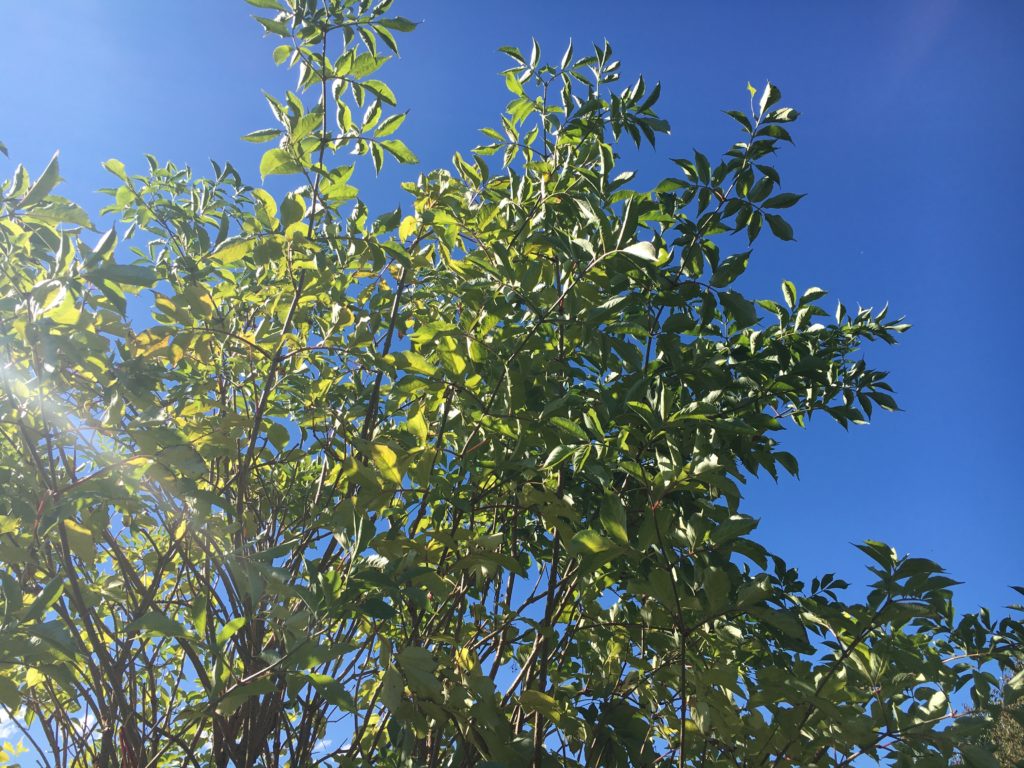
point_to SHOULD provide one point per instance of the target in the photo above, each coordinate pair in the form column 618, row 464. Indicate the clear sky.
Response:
column 909, row 149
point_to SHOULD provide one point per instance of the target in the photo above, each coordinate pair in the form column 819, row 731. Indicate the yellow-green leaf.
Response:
column 80, row 540
column 407, row 227
column 542, row 703
column 277, row 162
column 233, row 249
column 417, row 425
column 65, row 311
column 415, row 362
column 386, row 461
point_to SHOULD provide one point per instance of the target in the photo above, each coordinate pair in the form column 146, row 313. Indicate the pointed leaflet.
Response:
column 779, row 226
column 44, row 184
column 229, row 630
column 770, row 96
column 643, row 250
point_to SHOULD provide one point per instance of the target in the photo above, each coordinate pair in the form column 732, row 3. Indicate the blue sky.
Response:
column 909, row 149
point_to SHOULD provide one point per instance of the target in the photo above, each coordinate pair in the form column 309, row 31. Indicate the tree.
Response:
column 1006, row 736
column 1008, row 733
column 453, row 485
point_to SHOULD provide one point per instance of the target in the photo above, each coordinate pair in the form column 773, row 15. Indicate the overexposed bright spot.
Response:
column 7, row 727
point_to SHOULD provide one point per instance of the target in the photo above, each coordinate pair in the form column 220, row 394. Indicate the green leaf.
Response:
column 593, row 549
column 784, row 200
column 415, row 363
column 281, row 53
column 742, row 311
column 558, row 454
column 779, row 226
column 10, row 696
column 770, row 96
column 117, row 168
column 508, row 50
column 293, row 208
column 788, row 462
column 277, row 162
column 389, row 125
column 789, row 293
column 199, row 612
column 570, row 428
column 428, row 332
column 888, row 402
column 417, row 426
column 717, row 589
column 386, row 461
column 43, row 185
column 44, row 600
column 740, row 118
column 538, row 701
column 63, row 310
column 229, row 630
column 157, row 624
column 382, row 91
column 80, row 540
column 106, row 244
column 366, row 64
column 787, row 623
column 733, row 528
column 234, row 248
column 407, row 227
column 613, row 519
column 399, row 151
column 332, row 691
column 589, row 542
column 730, row 269
column 278, row 436
column 264, row 134
column 392, row 687
column 57, row 210
column 643, row 250
column 513, row 85
column 399, row 24
column 881, row 553
column 811, row 295
column 273, row 26
column 418, row 665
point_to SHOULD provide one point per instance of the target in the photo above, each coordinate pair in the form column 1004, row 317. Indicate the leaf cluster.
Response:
column 459, row 484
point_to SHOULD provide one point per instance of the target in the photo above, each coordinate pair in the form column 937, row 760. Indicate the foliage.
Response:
column 1008, row 731
column 454, row 485
column 1006, row 709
